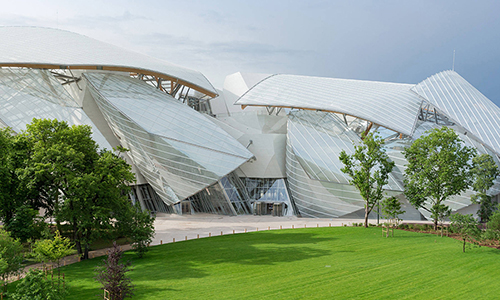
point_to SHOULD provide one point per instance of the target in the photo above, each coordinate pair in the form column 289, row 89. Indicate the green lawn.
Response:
column 316, row 263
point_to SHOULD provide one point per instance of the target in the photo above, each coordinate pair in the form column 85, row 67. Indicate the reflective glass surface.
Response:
column 317, row 138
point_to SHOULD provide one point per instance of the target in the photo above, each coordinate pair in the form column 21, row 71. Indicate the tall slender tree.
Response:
column 368, row 168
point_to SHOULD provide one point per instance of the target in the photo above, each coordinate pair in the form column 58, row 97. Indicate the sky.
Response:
column 395, row 41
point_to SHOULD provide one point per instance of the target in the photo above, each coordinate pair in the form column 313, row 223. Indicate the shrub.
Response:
column 37, row 286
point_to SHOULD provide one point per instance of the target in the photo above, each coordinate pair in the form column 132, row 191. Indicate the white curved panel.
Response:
column 35, row 45
column 391, row 105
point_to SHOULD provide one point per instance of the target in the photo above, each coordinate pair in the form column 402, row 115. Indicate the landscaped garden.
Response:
column 317, row 263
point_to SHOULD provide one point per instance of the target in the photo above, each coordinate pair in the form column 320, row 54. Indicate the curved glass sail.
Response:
column 391, row 105
column 178, row 150
column 464, row 104
column 30, row 93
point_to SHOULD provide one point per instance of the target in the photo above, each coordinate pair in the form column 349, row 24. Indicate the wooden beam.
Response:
column 368, row 128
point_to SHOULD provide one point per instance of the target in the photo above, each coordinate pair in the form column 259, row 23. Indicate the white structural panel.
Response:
column 38, row 46
column 178, row 150
column 464, row 104
column 391, row 105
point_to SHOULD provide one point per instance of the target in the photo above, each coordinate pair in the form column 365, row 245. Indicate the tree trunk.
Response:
column 464, row 247
column 366, row 216
column 435, row 224
column 76, row 239
column 78, row 247
column 86, row 253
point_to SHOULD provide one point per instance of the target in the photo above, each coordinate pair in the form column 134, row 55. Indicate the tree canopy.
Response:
column 79, row 184
column 438, row 168
column 368, row 169
column 60, row 168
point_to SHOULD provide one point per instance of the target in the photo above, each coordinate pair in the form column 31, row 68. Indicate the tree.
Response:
column 438, row 168
column 391, row 209
column 112, row 275
column 368, row 169
column 140, row 227
column 77, row 183
column 467, row 227
column 484, row 171
column 18, row 206
column 11, row 252
column 53, row 250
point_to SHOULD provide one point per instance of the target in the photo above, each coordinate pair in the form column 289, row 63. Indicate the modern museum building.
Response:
column 263, row 144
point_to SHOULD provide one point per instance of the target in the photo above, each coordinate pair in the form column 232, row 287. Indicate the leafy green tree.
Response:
column 484, row 171
column 368, row 169
column 11, row 252
column 438, row 168
column 141, row 229
column 17, row 202
column 37, row 286
column 53, row 250
column 391, row 208
column 113, row 275
column 467, row 227
column 77, row 183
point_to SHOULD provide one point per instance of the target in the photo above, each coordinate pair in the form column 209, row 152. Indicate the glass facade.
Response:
column 178, row 150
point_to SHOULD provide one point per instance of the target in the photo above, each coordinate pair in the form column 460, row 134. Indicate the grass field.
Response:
column 317, row 263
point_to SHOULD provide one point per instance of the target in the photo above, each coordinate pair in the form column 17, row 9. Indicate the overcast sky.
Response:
column 397, row 41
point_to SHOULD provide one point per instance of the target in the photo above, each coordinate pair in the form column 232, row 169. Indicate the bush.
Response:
column 37, row 286
column 493, row 226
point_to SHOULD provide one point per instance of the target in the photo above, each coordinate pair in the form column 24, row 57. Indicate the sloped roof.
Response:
column 53, row 48
column 464, row 104
column 391, row 105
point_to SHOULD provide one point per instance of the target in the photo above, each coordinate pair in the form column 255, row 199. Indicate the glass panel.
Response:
column 30, row 93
